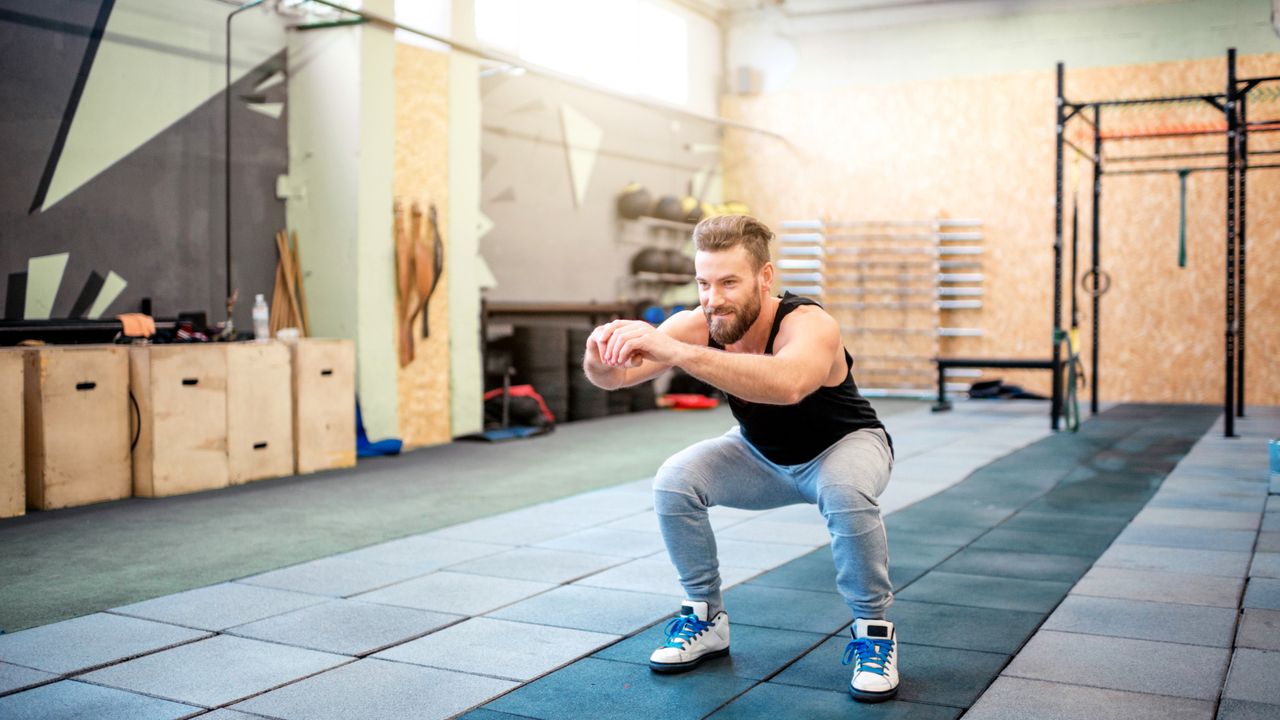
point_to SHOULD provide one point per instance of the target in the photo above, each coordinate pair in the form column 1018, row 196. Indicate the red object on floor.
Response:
column 688, row 401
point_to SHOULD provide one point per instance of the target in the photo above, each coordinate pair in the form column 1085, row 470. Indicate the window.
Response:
column 633, row 46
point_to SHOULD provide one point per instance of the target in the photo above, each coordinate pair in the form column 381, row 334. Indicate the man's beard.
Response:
column 729, row 329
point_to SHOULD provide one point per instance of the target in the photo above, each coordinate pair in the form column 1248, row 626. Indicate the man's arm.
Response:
column 805, row 349
column 683, row 327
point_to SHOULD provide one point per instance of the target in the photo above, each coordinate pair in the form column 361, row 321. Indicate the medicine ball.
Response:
column 692, row 210
column 670, row 207
column 634, row 201
column 677, row 263
column 651, row 260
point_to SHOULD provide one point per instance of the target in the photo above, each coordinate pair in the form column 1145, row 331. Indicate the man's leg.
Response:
column 720, row 471
column 846, row 481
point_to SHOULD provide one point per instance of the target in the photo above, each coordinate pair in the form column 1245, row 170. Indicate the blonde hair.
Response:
column 730, row 231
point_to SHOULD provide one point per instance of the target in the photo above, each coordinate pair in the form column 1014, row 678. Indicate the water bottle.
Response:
column 261, row 318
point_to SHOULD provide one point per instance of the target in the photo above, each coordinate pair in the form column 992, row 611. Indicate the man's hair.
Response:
column 730, row 231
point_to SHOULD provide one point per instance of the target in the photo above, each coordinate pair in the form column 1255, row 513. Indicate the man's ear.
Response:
column 766, row 277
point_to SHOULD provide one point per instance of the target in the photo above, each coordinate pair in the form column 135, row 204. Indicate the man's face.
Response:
column 730, row 292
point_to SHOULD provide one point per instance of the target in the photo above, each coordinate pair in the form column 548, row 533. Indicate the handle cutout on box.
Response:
column 86, row 385
column 190, row 381
column 326, row 372
column 260, row 446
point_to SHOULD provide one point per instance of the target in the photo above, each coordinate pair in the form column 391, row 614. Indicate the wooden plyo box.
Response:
column 259, row 411
column 13, row 488
column 77, row 425
column 182, row 399
column 324, row 404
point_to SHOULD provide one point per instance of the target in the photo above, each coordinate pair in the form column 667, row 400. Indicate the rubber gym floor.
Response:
column 1129, row 570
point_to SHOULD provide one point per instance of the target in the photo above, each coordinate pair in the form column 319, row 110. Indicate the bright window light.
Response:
column 633, row 46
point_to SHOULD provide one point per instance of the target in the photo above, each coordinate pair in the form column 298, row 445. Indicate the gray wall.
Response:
column 542, row 246
column 155, row 214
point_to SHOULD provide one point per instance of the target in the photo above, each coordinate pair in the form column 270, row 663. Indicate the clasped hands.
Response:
column 627, row 343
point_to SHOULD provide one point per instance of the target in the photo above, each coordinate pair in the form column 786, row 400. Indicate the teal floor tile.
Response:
column 770, row 700
column 1004, row 593
column 755, row 652
column 1016, row 564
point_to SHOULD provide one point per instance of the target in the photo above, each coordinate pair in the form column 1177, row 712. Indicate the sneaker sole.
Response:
column 872, row 697
column 671, row 668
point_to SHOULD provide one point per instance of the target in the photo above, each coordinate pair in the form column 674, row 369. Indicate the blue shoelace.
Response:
column 683, row 629
column 872, row 655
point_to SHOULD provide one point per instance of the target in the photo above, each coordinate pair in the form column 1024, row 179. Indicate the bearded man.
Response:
column 805, row 435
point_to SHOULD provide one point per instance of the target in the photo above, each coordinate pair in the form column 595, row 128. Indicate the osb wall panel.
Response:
column 983, row 148
column 421, row 173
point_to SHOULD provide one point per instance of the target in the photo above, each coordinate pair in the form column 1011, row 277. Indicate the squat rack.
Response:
column 1233, row 103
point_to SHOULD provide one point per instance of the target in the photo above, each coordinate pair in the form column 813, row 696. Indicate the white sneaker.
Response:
column 691, row 638
column 874, row 654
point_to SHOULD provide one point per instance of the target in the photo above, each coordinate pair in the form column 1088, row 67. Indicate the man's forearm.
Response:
column 755, row 378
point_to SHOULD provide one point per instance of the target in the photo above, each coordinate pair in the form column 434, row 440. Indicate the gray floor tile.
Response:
column 1157, row 586
column 1265, row 564
column 219, row 607
column 456, row 593
column 225, row 714
column 760, row 530
column 813, row 571
column 425, row 552
column 785, row 701
column 377, row 690
column 1268, row 542
column 1185, row 537
column 1210, row 519
column 924, row 532
column 215, row 672
column 616, row 612
column 1259, row 629
column 1014, row 564
column 1144, row 620
column 1253, row 676
column 1089, row 546
column 1262, row 593
column 986, row 591
column 345, row 627
column 966, row 628
column 507, row 530
column 787, row 609
column 71, row 700
column 941, row 676
column 1012, row 698
column 755, row 555
column 499, row 648
column 1135, row 665
column 656, row 575
column 1244, row 710
column 333, row 576
column 756, row 652
column 90, row 641
column 605, row 690
column 538, row 564
column 608, row 541
column 1229, row 504
column 15, row 677
column 1220, row 563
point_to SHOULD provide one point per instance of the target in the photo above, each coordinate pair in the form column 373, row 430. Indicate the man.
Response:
column 805, row 434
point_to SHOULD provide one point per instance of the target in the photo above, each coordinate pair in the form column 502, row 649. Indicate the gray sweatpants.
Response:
column 844, row 481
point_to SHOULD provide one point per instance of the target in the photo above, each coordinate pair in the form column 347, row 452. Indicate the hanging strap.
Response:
column 1182, row 217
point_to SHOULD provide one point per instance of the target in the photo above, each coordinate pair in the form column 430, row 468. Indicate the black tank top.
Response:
column 795, row 434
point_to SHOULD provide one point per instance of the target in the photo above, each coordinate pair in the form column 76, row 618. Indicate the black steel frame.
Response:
column 1233, row 104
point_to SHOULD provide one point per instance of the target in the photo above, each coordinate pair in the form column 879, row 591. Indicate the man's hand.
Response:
column 632, row 341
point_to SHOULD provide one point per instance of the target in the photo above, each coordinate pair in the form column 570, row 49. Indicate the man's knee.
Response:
column 845, row 498
column 675, row 488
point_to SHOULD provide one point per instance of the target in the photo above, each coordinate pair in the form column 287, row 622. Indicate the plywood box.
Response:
column 77, row 425
column 324, row 402
column 259, row 411
column 13, row 490
column 182, row 399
